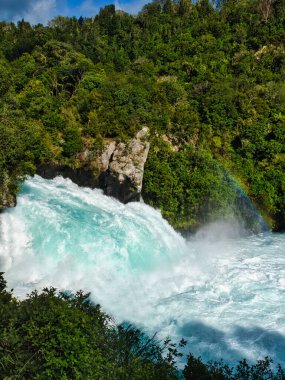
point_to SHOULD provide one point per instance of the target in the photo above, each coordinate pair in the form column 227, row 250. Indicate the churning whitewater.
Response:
column 222, row 291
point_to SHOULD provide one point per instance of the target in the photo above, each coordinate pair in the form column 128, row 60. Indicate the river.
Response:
column 222, row 290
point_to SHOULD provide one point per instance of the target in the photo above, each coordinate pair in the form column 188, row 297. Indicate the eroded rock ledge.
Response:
column 118, row 169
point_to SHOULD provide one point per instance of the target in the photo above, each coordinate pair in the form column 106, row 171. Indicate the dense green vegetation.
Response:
column 65, row 336
column 52, row 335
column 207, row 79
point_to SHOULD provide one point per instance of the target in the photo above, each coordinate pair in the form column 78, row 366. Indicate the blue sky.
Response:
column 42, row 10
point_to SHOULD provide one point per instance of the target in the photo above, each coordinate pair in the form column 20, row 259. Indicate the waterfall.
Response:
column 220, row 289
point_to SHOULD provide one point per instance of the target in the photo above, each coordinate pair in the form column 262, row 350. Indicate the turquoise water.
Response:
column 220, row 289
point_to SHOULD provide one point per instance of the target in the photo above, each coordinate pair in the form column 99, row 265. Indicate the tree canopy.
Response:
column 207, row 78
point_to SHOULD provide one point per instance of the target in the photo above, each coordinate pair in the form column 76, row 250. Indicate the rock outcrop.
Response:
column 7, row 198
column 124, row 177
column 118, row 169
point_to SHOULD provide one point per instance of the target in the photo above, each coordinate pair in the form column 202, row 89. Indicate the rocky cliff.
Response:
column 123, row 176
column 7, row 198
column 117, row 169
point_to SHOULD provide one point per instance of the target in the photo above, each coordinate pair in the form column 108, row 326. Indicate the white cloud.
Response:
column 42, row 11
column 31, row 10
column 10, row 8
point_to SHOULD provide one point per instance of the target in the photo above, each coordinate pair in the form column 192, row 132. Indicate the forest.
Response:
column 206, row 78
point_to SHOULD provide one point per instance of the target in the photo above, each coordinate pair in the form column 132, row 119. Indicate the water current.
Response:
column 220, row 289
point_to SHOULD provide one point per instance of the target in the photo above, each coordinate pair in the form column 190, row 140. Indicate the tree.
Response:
column 266, row 7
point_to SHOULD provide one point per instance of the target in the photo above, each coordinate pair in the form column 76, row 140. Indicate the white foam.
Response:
column 221, row 290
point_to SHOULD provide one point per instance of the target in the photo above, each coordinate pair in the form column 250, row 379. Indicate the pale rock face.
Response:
column 128, row 159
column 104, row 159
column 123, row 177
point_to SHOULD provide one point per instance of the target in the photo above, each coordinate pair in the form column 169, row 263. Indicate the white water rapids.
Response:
column 222, row 291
